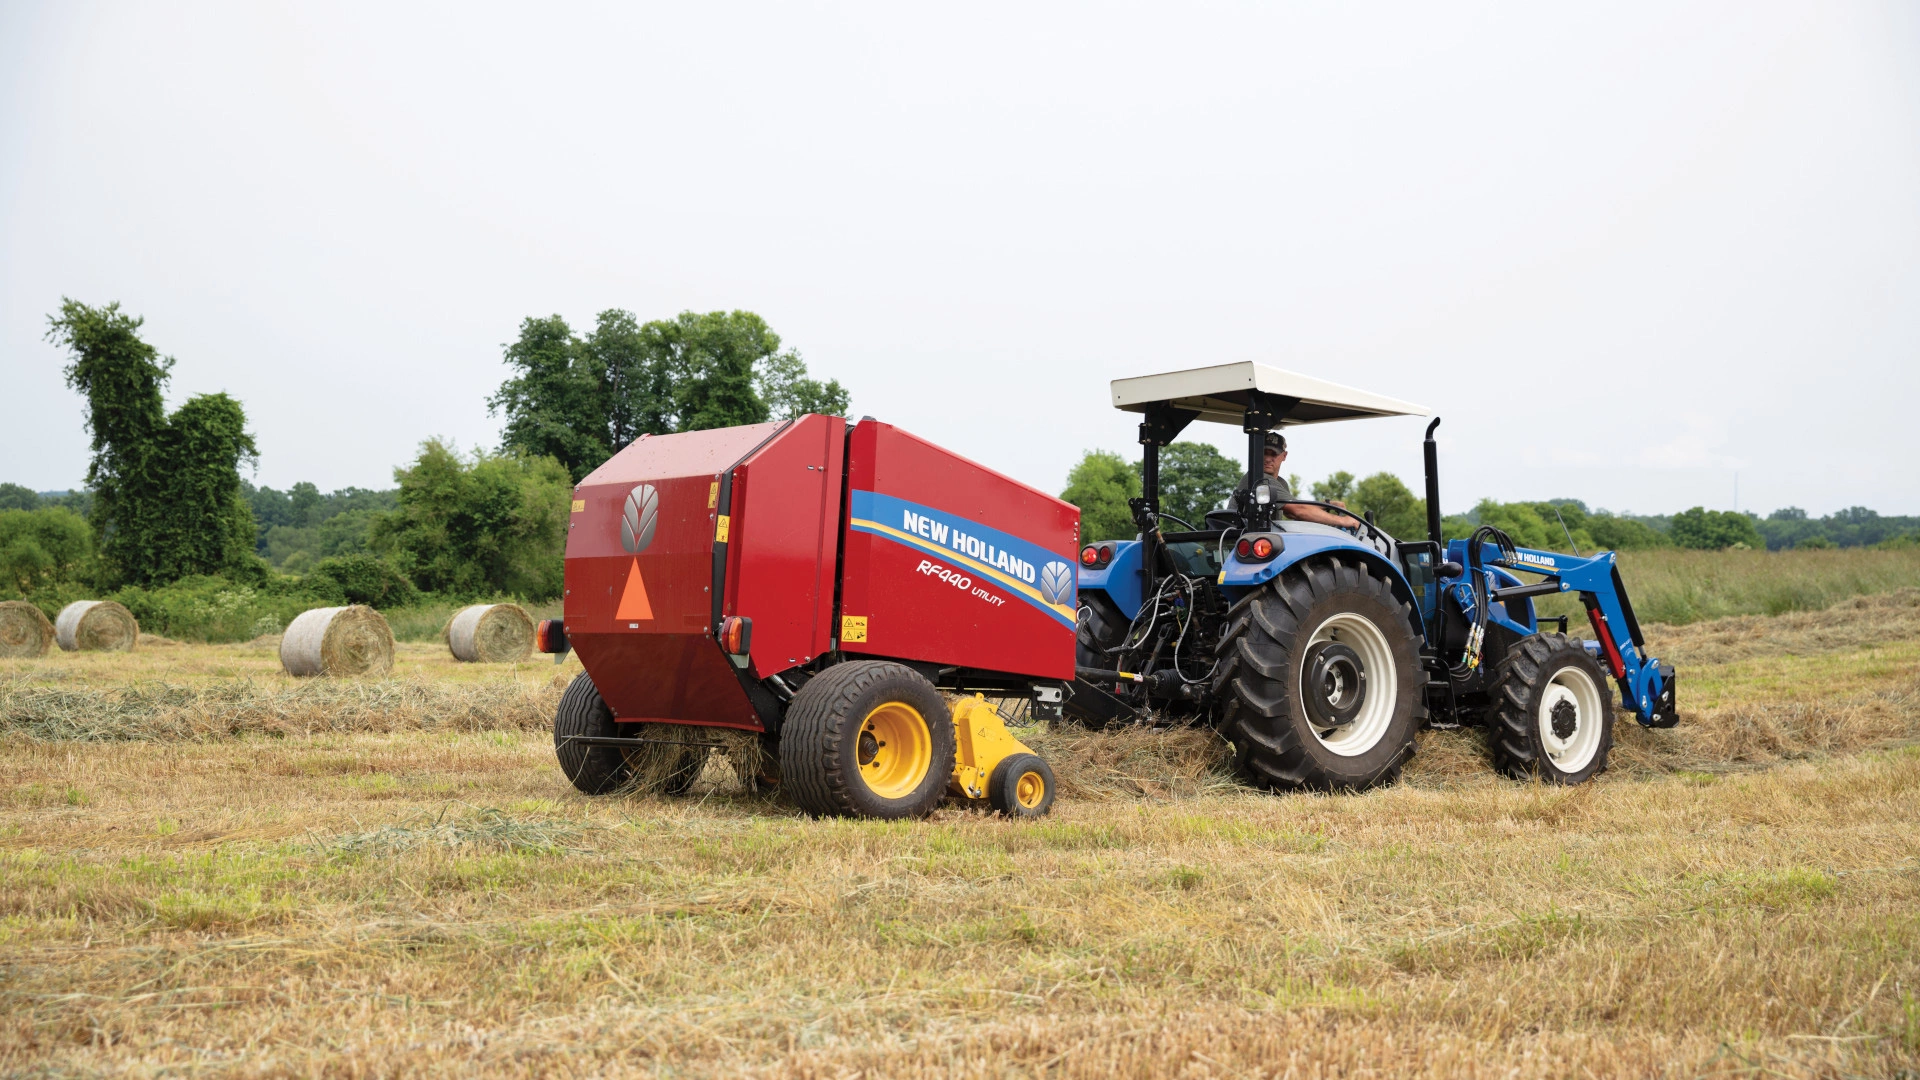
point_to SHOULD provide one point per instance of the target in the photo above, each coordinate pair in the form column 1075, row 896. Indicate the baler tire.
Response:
column 595, row 770
column 820, row 741
column 1021, row 786
column 1539, row 673
column 1262, row 654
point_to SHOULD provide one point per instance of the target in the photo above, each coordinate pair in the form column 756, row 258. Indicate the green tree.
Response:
column 1100, row 486
column 41, row 547
column 783, row 384
column 1713, row 530
column 581, row 400
column 166, row 490
column 1335, row 488
column 489, row 525
column 1194, row 477
column 554, row 405
column 1395, row 509
column 16, row 497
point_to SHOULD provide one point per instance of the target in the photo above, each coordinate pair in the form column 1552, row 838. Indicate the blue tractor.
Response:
column 1319, row 651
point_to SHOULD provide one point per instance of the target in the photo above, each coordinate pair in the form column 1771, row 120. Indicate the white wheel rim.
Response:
column 1369, row 726
column 1573, row 752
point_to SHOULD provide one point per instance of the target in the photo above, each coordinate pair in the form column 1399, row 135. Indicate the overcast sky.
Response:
column 1626, row 251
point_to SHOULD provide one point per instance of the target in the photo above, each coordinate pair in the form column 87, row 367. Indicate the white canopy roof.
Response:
column 1219, row 394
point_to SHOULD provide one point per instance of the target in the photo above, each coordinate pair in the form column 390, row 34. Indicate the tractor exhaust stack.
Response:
column 1433, row 483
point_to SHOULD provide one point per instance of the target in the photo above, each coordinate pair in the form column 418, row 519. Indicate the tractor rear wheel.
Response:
column 595, row 770
column 1552, row 713
column 1320, row 679
column 1100, row 628
column 867, row 738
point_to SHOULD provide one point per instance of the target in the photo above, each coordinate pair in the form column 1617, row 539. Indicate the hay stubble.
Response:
column 430, row 898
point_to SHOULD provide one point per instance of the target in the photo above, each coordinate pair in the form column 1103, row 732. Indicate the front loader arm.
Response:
column 1646, row 683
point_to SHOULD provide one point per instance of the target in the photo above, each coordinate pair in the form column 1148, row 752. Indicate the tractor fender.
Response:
column 1238, row 580
column 1120, row 579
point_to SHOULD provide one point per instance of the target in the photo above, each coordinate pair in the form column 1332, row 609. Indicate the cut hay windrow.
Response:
column 96, row 626
column 339, row 641
column 491, row 634
column 24, row 630
column 172, row 712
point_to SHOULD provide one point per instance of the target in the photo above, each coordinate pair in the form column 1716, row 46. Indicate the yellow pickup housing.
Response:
column 981, row 741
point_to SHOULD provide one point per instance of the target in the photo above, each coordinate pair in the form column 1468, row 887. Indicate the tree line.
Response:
column 168, row 526
column 1197, row 477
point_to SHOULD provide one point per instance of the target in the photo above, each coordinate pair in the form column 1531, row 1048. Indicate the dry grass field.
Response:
column 208, row 869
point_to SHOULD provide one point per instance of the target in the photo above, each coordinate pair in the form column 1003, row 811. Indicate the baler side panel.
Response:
column 784, row 540
column 642, row 622
column 949, row 562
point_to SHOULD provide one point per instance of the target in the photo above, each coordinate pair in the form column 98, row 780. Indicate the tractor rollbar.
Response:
column 1433, row 484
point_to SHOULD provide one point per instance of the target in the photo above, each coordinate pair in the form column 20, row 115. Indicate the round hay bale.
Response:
column 338, row 641
column 491, row 634
column 24, row 631
column 96, row 626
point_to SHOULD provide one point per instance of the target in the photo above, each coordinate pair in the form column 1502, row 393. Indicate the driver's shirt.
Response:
column 1282, row 492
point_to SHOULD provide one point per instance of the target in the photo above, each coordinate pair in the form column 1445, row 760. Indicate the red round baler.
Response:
column 820, row 585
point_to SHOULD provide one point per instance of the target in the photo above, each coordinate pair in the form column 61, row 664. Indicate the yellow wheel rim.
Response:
column 1031, row 788
column 894, row 750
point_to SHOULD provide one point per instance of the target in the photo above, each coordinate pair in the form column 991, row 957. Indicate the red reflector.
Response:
column 1089, row 555
column 1244, row 549
column 550, row 636
column 1106, row 554
column 1263, row 548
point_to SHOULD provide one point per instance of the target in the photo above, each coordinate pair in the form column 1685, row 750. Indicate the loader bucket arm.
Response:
column 1646, row 683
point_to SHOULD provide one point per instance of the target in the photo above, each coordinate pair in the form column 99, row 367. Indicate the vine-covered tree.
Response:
column 166, row 489
column 580, row 400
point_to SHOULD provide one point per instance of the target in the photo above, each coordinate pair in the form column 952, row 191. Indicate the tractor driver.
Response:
column 1276, row 456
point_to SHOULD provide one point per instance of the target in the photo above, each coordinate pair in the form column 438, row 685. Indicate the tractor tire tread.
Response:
column 1510, row 723
column 1257, row 668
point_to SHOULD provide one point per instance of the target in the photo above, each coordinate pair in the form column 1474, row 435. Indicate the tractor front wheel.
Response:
column 867, row 738
column 1552, row 714
column 1320, row 679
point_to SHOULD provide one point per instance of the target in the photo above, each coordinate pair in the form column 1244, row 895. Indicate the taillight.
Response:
column 1255, row 549
column 736, row 634
column 1089, row 555
column 1106, row 554
column 550, row 636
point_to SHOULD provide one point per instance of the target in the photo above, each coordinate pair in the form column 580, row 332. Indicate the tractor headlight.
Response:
column 1263, row 495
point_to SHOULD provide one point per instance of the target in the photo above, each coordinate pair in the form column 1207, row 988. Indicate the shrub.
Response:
column 362, row 579
column 41, row 547
column 1714, row 530
column 208, row 607
column 485, row 526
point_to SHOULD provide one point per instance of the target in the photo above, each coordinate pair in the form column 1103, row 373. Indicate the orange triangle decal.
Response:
column 633, row 599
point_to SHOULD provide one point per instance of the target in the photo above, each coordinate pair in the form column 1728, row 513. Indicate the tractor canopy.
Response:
column 1222, row 394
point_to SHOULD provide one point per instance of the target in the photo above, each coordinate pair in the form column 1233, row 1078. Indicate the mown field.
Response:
column 207, row 868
